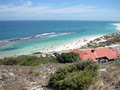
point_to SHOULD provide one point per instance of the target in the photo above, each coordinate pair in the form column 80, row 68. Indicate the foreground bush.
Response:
column 27, row 60
column 68, row 57
column 74, row 77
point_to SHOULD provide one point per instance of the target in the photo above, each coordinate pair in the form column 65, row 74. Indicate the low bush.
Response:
column 37, row 74
column 30, row 72
column 77, row 76
column 9, row 61
column 37, row 53
column 25, row 60
column 76, row 81
column 68, row 57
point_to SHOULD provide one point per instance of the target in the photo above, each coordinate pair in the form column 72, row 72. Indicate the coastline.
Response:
column 65, row 47
column 76, row 44
column 57, row 39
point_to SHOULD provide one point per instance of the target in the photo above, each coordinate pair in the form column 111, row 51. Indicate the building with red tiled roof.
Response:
column 98, row 54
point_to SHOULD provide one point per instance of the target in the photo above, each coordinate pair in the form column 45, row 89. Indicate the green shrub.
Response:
column 76, row 81
column 37, row 53
column 9, row 61
column 88, row 65
column 77, row 76
column 30, row 72
column 25, row 60
column 68, row 57
column 37, row 74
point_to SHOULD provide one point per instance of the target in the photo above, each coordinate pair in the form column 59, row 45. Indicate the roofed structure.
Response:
column 97, row 53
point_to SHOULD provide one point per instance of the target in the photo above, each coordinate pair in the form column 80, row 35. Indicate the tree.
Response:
column 76, row 76
column 68, row 57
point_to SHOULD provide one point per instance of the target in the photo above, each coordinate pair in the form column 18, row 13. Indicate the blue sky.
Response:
column 107, row 10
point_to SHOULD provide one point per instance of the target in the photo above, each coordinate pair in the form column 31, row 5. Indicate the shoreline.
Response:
column 117, row 25
column 75, row 44
column 68, row 46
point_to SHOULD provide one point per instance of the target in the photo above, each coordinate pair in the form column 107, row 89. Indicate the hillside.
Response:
column 36, row 77
column 109, row 77
column 26, row 77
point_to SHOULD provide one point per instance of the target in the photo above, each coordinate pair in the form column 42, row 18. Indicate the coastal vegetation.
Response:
column 37, row 73
column 79, row 75
column 76, row 76
column 22, row 77
column 105, row 40
column 68, row 57
column 26, row 60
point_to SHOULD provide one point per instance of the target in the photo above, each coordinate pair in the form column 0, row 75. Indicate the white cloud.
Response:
column 27, row 10
column 73, row 9
column 22, row 9
column 27, row 4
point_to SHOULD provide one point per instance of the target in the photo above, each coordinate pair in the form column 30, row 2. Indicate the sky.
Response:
column 103, row 10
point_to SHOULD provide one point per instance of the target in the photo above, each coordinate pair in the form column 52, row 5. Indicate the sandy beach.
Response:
column 76, row 44
column 118, row 26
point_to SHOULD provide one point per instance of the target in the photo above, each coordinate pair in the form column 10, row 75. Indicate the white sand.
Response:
column 118, row 26
column 76, row 44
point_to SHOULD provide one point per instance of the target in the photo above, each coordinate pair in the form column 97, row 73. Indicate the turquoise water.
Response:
column 26, row 37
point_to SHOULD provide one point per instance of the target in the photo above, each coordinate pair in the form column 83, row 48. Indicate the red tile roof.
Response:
column 97, row 53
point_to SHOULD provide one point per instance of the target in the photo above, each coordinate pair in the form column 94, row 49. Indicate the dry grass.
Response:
column 109, row 79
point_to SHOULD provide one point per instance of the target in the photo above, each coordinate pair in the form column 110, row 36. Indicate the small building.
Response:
column 100, row 54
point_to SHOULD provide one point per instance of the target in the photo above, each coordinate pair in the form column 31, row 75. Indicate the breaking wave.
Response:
column 39, row 36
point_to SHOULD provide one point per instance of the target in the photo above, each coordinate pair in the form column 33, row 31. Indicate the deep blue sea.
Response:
column 26, row 37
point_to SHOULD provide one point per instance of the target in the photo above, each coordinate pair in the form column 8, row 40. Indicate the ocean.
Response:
column 27, row 37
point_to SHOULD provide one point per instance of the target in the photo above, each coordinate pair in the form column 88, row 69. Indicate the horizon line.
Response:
column 62, row 20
